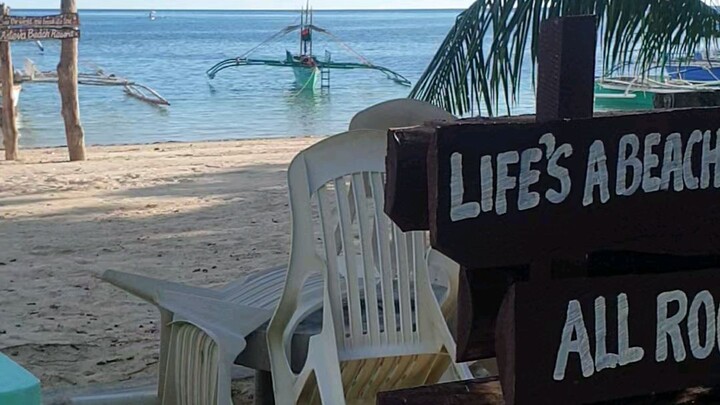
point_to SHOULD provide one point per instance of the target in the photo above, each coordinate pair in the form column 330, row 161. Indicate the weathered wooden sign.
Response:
column 595, row 238
column 36, row 34
column 59, row 20
column 35, row 28
column 590, row 340
column 512, row 194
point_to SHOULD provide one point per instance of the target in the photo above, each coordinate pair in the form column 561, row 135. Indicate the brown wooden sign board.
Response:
column 60, row 20
column 37, row 34
column 598, row 232
column 481, row 292
column 512, row 194
column 589, row 340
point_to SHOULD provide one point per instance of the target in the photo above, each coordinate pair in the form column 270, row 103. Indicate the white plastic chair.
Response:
column 398, row 113
column 407, row 112
column 370, row 272
column 202, row 331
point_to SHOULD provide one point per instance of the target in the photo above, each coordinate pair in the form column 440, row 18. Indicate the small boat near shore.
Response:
column 699, row 71
column 98, row 78
column 702, row 67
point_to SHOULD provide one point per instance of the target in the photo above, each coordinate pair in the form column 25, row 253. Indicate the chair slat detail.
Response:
column 402, row 244
column 348, row 243
column 383, row 230
column 328, row 224
column 367, row 250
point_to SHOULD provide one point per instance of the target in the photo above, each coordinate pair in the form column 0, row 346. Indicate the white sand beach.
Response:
column 200, row 213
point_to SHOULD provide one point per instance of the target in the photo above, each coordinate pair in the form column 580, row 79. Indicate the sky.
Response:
column 245, row 4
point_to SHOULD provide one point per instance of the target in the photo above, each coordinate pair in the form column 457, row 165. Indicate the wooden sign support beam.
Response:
column 68, row 85
column 9, row 126
column 30, row 28
column 566, row 68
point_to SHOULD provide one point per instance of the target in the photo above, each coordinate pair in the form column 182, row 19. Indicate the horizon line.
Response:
column 246, row 9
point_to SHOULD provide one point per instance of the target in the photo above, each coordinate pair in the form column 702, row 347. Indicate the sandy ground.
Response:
column 202, row 213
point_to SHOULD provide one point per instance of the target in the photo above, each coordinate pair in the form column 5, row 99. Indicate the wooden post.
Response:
column 68, row 86
column 566, row 68
column 9, row 127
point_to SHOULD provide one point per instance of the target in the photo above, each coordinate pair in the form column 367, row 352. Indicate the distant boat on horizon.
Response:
column 152, row 15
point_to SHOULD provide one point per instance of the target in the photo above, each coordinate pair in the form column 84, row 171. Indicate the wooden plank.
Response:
column 598, row 339
column 480, row 295
column 489, row 392
column 9, row 126
column 59, row 20
column 585, row 185
column 37, row 34
column 566, row 68
column 406, row 177
column 484, row 391
column 406, row 192
column 68, row 85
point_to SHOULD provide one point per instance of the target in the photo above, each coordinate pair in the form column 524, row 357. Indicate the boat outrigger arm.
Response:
column 233, row 62
column 31, row 74
column 291, row 62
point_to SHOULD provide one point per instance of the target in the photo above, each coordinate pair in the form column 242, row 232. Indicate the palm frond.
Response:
column 481, row 60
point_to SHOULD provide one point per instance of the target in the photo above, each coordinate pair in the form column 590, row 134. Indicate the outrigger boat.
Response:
column 309, row 70
column 31, row 74
column 638, row 93
column 701, row 67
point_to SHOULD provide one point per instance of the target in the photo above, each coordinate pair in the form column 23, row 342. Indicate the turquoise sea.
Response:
column 172, row 53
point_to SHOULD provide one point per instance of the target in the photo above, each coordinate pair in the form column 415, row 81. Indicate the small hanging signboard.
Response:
column 35, row 28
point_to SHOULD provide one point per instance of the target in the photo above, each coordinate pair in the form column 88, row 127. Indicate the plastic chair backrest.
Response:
column 403, row 112
column 376, row 276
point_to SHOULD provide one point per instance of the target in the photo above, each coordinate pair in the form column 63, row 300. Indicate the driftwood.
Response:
column 68, row 85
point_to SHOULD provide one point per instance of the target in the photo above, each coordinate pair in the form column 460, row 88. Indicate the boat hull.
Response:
column 694, row 73
column 307, row 78
column 619, row 99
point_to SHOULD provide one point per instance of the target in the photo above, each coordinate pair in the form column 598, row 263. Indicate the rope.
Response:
column 309, row 80
column 275, row 36
column 344, row 45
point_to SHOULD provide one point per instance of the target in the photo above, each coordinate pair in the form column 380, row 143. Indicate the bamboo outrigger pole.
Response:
column 68, row 85
column 9, row 126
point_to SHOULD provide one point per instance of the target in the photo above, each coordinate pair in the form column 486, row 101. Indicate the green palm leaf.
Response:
column 480, row 61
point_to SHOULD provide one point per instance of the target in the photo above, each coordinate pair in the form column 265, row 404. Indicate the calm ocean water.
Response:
column 172, row 53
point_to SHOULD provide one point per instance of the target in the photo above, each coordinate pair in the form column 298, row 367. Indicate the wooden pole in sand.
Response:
column 68, row 86
column 9, row 127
